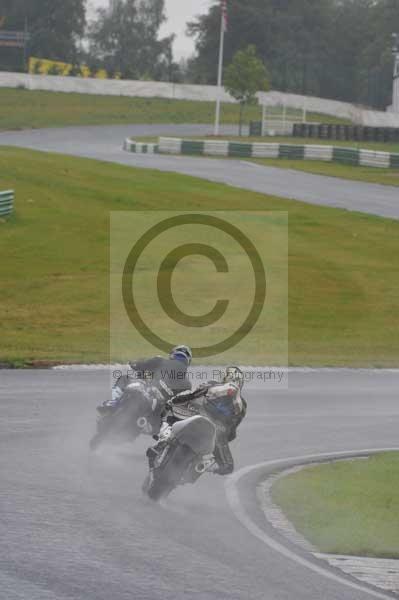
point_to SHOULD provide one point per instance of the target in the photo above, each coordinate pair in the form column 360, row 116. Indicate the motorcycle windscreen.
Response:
column 198, row 433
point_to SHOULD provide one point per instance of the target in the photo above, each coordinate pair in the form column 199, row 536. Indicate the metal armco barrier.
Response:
column 6, row 203
column 349, row 156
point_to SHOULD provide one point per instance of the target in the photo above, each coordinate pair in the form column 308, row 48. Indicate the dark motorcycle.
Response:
column 187, row 453
column 138, row 412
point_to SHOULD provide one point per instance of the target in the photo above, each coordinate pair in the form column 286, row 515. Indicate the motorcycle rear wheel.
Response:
column 109, row 426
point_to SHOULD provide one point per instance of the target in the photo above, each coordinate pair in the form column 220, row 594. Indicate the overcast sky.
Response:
column 178, row 13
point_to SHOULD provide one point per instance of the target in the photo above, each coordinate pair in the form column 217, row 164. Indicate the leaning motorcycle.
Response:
column 186, row 455
column 138, row 412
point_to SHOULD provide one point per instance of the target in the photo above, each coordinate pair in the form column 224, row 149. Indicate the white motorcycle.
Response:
column 185, row 453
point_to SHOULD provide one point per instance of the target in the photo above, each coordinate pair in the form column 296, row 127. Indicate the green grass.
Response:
column 23, row 109
column 354, row 173
column 347, row 507
column 343, row 277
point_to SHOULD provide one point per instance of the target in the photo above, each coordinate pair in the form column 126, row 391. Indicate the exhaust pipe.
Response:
column 142, row 423
column 200, row 468
column 205, row 465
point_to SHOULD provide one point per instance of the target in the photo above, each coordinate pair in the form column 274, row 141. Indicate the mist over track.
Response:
column 76, row 526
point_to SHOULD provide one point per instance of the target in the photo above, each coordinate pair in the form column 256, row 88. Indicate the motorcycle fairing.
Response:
column 198, row 433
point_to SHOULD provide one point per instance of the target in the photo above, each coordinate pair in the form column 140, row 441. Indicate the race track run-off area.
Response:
column 105, row 143
column 77, row 526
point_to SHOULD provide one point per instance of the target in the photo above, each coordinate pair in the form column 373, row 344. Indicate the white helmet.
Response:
column 234, row 375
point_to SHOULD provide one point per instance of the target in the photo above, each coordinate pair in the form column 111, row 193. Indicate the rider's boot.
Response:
column 109, row 406
column 162, row 438
column 105, row 409
column 151, row 454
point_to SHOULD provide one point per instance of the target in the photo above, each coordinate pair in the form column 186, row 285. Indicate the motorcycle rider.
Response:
column 172, row 371
column 222, row 403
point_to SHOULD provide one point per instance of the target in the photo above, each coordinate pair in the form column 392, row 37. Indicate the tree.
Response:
column 376, row 60
column 245, row 76
column 55, row 26
column 337, row 49
column 125, row 39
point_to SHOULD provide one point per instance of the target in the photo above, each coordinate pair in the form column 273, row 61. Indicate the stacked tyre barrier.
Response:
column 139, row 148
column 346, row 132
column 6, row 203
column 325, row 131
column 348, row 156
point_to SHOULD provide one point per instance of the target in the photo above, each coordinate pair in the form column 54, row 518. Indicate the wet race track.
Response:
column 76, row 526
column 105, row 143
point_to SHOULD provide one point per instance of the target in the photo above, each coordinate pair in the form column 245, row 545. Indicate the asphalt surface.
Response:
column 105, row 143
column 75, row 526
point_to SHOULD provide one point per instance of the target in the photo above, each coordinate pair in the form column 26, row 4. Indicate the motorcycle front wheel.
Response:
column 169, row 474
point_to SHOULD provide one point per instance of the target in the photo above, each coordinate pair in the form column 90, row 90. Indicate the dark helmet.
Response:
column 234, row 375
column 182, row 353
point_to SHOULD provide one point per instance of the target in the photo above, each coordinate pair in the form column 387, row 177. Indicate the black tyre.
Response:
column 122, row 425
column 168, row 476
column 95, row 442
column 104, row 424
column 102, row 436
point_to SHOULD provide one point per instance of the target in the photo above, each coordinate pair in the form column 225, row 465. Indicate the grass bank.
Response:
column 24, row 109
column 353, row 173
column 343, row 277
column 347, row 507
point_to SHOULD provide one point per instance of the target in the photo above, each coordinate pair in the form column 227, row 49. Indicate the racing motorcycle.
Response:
column 138, row 412
column 186, row 453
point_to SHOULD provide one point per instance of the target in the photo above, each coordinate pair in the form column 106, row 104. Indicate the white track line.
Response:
column 239, row 511
column 251, row 164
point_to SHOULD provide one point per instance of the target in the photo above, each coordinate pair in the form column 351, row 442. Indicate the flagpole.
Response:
column 220, row 70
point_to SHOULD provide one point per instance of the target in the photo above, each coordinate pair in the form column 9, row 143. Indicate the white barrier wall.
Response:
column 395, row 105
column 338, row 154
column 152, row 89
column 345, row 110
column 113, row 87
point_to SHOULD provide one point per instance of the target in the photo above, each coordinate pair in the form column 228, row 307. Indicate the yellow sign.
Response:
column 42, row 66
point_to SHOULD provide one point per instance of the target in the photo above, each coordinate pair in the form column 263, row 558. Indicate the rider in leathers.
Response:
column 171, row 370
column 223, row 404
